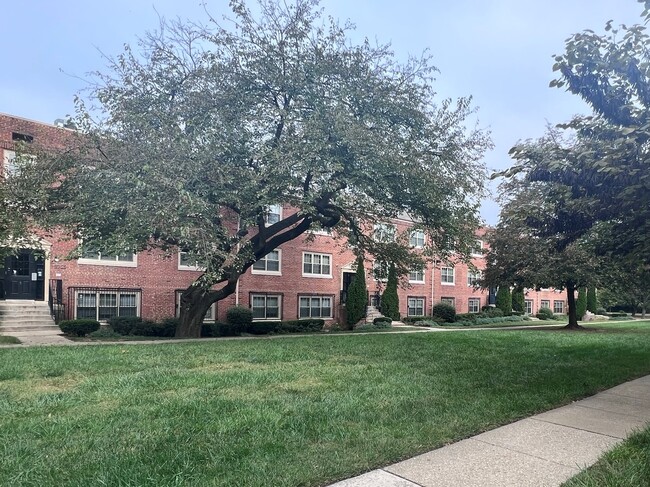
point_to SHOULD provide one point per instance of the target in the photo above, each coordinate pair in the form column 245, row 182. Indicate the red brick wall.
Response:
column 158, row 276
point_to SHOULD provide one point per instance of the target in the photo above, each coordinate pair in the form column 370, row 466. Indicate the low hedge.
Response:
column 124, row 325
column 79, row 328
column 544, row 314
column 134, row 325
column 382, row 322
column 217, row 329
column 415, row 319
column 307, row 325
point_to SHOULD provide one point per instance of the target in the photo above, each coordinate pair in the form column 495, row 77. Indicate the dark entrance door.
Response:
column 22, row 275
column 347, row 279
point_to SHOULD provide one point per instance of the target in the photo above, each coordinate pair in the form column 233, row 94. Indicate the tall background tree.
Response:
column 357, row 299
column 193, row 139
column 389, row 298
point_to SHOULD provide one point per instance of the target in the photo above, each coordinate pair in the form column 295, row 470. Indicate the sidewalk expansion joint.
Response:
column 578, row 429
column 576, row 467
column 401, row 477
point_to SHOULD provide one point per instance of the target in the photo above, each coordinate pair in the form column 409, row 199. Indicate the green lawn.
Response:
column 283, row 412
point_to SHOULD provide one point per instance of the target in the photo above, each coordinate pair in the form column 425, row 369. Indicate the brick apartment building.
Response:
column 304, row 277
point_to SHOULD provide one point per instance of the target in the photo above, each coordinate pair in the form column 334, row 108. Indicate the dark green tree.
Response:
column 592, row 299
column 581, row 303
column 191, row 141
column 504, row 300
column 389, row 298
column 357, row 300
column 518, row 299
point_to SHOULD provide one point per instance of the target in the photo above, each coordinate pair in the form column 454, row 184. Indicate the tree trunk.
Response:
column 571, row 301
column 195, row 302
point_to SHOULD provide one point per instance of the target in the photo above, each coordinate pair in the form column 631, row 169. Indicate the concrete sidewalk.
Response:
column 543, row 450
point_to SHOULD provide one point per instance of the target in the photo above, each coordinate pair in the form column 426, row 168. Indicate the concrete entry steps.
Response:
column 544, row 450
column 29, row 321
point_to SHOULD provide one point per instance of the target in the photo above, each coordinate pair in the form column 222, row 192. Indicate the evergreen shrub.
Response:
column 79, row 328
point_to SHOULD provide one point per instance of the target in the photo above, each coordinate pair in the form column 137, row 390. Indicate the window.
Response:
column 384, row 233
column 89, row 256
column 473, row 305
column 415, row 306
column 269, row 264
column 9, row 163
column 18, row 137
column 449, row 301
column 315, row 307
column 545, row 303
column 186, row 263
column 477, row 249
column 274, row 215
column 103, row 305
column 416, row 276
column 210, row 314
column 380, row 270
column 558, row 307
column 417, row 239
column 266, row 306
column 447, row 276
column 316, row 265
column 473, row 277
column 529, row 306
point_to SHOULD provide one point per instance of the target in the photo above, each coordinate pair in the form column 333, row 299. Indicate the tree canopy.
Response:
column 190, row 141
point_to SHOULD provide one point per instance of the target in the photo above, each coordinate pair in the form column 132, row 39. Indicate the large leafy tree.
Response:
column 611, row 73
column 545, row 236
column 190, row 142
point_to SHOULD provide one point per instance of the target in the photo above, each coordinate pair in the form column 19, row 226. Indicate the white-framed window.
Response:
column 529, row 306
column 416, row 276
column 558, row 307
column 266, row 306
column 186, row 263
column 380, row 270
column 91, row 257
column 415, row 306
column 273, row 215
column 449, row 301
column 269, row 264
column 316, row 265
column 416, row 240
column 102, row 305
column 315, row 307
column 473, row 305
column 545, row 303
column 473, row 277
column 8, row 163
column 384, row 232
column 210, row 314
column 477, row 249
column 447, row 276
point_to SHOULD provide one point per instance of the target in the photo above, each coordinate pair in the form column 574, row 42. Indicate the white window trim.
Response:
column 416, row 298
column 453, row 275
column 451, row 301
column 424, row 239
column 266, row 296
column 110, row 263
column 481, row 243
column 473, row 298
column 270, row 273
column 563, row 307
column 279, row 207
column 477, row 275
column 526, row 302
column 182, row 267
column 317, row 276
column 541, row 303
column 414, row 281
column 117, row 292
column 386, row 229
column 310, row 296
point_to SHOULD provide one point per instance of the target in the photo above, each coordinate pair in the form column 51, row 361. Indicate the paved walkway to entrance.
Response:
column 543, row 450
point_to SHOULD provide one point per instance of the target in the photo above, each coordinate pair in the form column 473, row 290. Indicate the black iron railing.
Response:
column 55, row 300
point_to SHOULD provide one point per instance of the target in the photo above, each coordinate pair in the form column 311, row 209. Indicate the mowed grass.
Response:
column 299, row 411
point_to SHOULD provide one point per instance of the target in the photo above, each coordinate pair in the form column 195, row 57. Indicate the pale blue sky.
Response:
column 498, row 51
